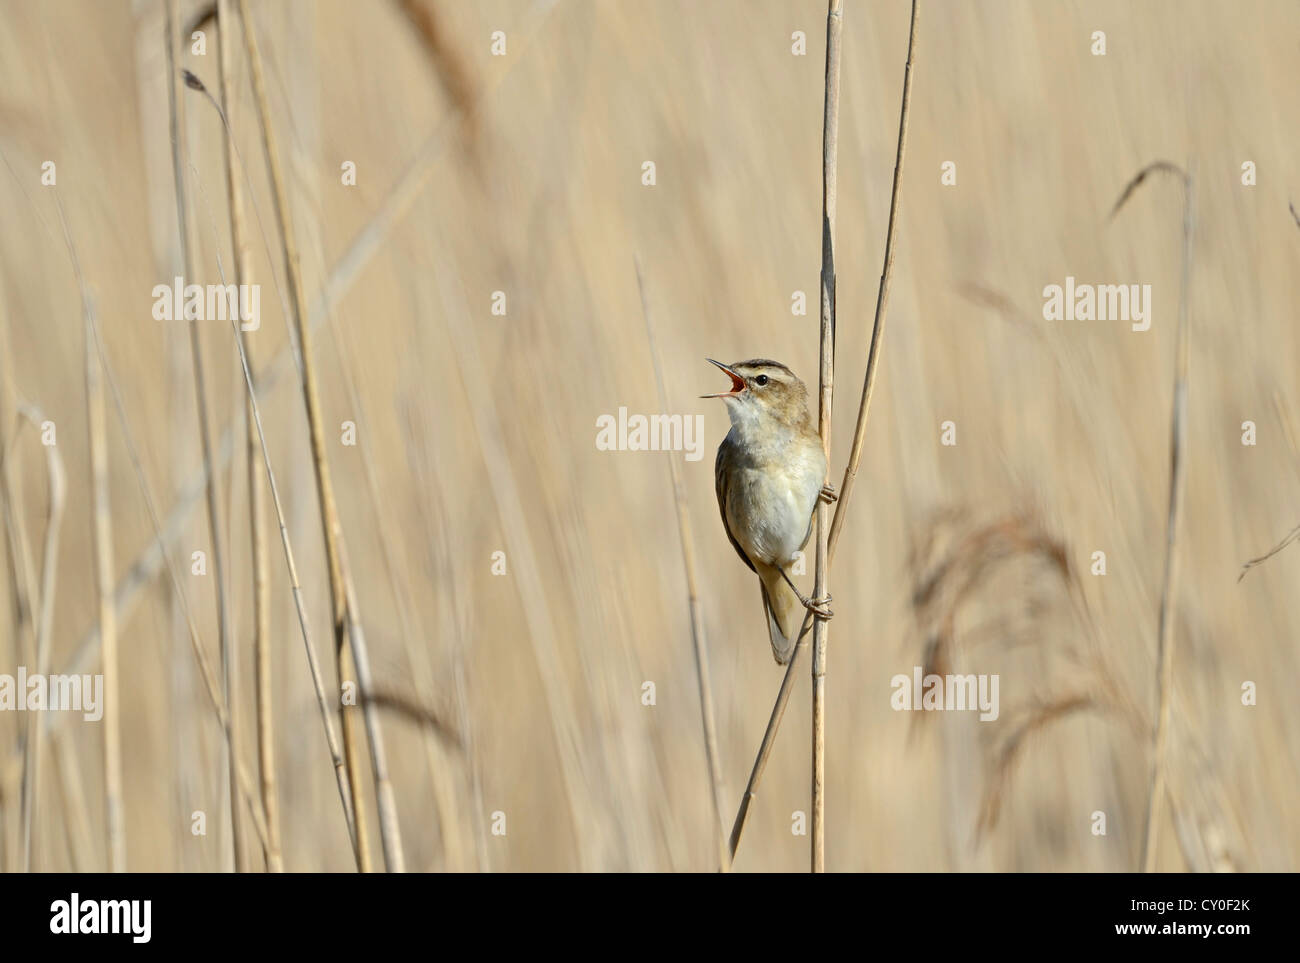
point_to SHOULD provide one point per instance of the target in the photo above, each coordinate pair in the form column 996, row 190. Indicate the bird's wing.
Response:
column 720, row 485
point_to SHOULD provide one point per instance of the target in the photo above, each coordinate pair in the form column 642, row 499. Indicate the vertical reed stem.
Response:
column 855, row 453
column 216, row 526
column 826, row 386
column 256, row 494
column 35, row 734
column 1168, row 594
column 103, row 547
column 350, row 645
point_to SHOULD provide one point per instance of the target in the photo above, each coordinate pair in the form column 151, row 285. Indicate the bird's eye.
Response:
column 760, row 380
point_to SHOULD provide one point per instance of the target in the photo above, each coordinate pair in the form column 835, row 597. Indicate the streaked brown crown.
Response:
column 777, row 389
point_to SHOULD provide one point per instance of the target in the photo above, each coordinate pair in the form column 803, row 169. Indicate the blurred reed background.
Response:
column 475, row 431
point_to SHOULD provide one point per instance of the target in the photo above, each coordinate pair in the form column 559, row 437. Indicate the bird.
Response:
column 769, row 473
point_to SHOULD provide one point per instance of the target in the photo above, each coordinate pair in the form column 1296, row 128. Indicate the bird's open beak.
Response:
column 737, row 382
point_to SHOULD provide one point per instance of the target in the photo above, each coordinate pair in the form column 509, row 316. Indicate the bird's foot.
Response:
column 820, row 608
column 829, row 494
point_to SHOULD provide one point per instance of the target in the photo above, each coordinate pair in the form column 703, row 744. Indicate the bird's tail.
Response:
column 784, row 613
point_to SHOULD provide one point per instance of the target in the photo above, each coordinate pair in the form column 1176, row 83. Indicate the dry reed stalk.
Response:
column 256, row 497
column 350, row 646
column 9, row 851
column 390, row 832
column 131, row 582
column 436, row 733
column 22, row 572
column 161, row 541
column 882, row 294
column 855, row 453
column 765, row 747
column 396, row 203
column 262, row 649
column 444, row 800
column 216, row 526
column 340, row 278
column 1177, row 484
column 304, row 625
column 209, row 680
column 693, row 599
column 146, row 566
column 102, row 537
column 102, row 530
column 22, row 578
column 825, row 396
column 11, row 776
column 34, row 735
column 344, row 657
column 72, row 800
column 144, row 570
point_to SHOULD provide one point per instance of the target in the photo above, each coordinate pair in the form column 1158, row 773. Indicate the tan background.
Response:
column 480, row 429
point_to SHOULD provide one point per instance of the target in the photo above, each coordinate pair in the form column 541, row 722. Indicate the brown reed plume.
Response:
column 955, row 569
column 448, row 62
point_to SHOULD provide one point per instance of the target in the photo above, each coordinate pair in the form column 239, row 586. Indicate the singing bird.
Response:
column 770, row 471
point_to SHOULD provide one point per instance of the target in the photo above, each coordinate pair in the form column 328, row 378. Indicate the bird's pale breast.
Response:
column 770, row 503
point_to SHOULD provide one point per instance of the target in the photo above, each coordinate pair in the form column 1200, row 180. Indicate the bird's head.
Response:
column 762, row 389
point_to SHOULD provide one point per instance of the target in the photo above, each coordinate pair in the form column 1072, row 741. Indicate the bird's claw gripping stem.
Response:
column 820, row 608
